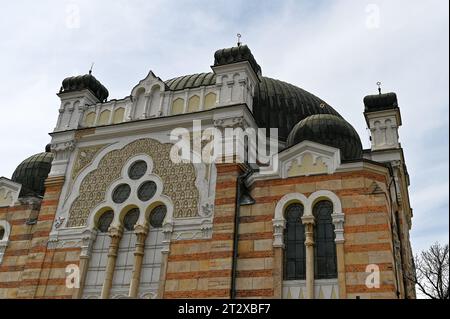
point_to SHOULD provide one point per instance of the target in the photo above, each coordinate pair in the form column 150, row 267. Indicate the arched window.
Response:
column 157, row 216
column 210, row 101
column 194, row 104
column 104, row 117
column 177, row 106
column 104, row 221
column 151, row 265
column 130, row 219
column 99, row 257
column 294, row 238
column 118, row 115
column 137, row 170
column 89, row 119
column 325, row 264
column 2, row 232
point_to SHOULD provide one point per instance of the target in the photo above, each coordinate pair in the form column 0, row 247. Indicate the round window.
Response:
column 137, row 169
column 146, row 191
column 131, row 219
column 157, row 216
column 105, row 221
column 121, row 193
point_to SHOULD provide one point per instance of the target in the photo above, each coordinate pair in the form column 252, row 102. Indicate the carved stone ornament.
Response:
column 178, row 180
column 62, row 150
column 59, row 221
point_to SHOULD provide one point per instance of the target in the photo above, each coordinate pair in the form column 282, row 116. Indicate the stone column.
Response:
column 308, row 221
column 338, row 221
column 279, row 226
column 141, row 232
column 87, row 242
column 167, row 236
column 116, row 234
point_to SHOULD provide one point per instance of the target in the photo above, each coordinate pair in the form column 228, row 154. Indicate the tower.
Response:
column 383, row 119
column 75, row 93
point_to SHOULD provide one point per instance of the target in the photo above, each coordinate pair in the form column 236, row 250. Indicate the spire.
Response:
column 379, row 87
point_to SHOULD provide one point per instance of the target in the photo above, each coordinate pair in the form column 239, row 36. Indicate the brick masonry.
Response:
column 202, row 268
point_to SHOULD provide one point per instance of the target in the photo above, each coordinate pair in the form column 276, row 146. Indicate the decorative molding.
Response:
column 62, row 151
column 308, row 217
column 178, row 180
column 9, row 192
column 231, row 122
column 84, row 158
column 4, row 241
column 279, row 224
column 59, row 221
column 308, row 158
column 338, row 221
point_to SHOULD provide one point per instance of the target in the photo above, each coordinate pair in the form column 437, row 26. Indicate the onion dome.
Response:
column 329, row 130
column 83, row 82
column 234, row 55
column 380, row 102
column 277, row 104
column 32, row 173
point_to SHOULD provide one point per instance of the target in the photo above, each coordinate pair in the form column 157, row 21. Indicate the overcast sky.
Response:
column 337, row 50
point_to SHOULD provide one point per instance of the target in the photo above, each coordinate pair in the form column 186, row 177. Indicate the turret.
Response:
column 76, row 92
column 237, row 74
column 383, row 119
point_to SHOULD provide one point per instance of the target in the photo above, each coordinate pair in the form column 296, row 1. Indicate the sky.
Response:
column 336, row 50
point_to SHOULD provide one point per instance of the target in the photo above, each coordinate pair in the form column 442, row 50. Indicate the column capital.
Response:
column 141, row 230
column 115, row 231
column 308, row 220
column 279, row 224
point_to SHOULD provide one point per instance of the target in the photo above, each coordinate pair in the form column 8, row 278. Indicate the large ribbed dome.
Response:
column 276, row 104
column 329, row 130
column 32, row 172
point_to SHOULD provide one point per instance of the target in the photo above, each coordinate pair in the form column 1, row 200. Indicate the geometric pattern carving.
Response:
column 178, row 180
column 85, row 156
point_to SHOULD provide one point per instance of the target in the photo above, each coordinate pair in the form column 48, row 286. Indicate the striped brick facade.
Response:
column 29, row 269
column 202, row 268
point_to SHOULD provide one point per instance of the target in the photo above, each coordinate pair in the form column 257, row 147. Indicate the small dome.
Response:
column 82, row 82
column 32, row 172
column 236, row 54
column 380, row 102
column 329, row 130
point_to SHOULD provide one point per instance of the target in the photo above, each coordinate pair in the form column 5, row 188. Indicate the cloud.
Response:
column 332, row 49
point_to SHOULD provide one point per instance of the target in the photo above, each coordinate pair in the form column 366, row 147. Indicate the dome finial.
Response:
column 90, row 70
column 379, row 87
column 238, row 39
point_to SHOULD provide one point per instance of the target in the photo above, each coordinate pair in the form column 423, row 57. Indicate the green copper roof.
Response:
column 234, row 55
column 379, row 102
column 191, row 81
column 275, row 103
column 82, row 82
column 329, row 130
column 32, row 172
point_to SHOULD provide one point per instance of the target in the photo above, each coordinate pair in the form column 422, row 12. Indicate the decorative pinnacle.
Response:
column 90, row 70
column 239, row 39
column 379, row 87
